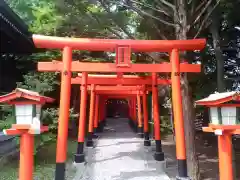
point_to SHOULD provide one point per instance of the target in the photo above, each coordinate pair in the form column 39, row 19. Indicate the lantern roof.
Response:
column 219, row 98
column 20, row 93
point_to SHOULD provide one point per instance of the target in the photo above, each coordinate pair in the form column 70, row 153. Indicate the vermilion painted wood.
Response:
column 119, row 75
column 83, row 109
column 117, row 88
column 156, row 114
column 126, row 96
column 15, row 131
column 224, row 127
column 41, row 41
column 177, row 106
column 21, row 126
column 26, row 162
column 225, row 131
column 111, row 67
column 115, row 81
column 105, row 92
column 65, row 94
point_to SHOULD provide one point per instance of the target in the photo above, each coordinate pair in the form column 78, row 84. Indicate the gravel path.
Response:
column 120, row 155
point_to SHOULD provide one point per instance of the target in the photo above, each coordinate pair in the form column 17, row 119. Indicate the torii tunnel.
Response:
column 135, row 89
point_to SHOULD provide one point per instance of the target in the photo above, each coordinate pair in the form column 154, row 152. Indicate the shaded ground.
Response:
column 45, row 164
column 208, row 158
column 120, row 155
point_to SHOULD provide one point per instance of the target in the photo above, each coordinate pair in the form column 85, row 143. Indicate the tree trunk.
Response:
column 214, row 29
column 221, row 87
column 188, row 107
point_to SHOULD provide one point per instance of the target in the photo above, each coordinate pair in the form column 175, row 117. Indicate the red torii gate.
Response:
column 123, row 64
column 125, row 90
column 95, row 99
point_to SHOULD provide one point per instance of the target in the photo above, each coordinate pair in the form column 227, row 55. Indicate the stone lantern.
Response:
column 27, row 108
column 224, row 108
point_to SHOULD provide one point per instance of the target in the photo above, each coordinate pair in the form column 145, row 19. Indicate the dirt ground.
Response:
column 207, row 154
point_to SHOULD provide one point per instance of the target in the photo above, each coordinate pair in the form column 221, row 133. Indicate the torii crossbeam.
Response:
column 123, row 80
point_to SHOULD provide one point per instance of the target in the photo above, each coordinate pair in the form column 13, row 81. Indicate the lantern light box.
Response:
column 27, row 106
column 25, row 113
column 224, row 108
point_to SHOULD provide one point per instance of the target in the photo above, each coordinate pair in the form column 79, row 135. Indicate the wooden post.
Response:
column 178, row 116
column 91, row 117
column 225, row 157
column 135, row 114
column 65, row 94
column 26, row 167
column 147, row 142
column 79, row 156
column 159, row 155
column 140, row 124
column 96, row 116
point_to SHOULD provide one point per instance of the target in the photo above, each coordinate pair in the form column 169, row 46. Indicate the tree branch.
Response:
column 108, row 28
column 206, row 18
column 139, row 11
column 202, row 12
column 159, row 31
column 152, row 8
column 200, row 5
column 166, row 3
column 128, row 34
column 109, row 12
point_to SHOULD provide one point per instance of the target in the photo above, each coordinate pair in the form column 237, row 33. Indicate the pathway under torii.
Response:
column 119, row 154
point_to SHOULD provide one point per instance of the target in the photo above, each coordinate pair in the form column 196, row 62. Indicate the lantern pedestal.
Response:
column 224, row 147
column 26, row 165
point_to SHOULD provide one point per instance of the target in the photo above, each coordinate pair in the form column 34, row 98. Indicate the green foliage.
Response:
column 46, row 56
column 47, row 20
column 7, row 122
column 165, row 126
column 40, row 15
column 6, row 118
column 39, row 82
column 50, row 117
